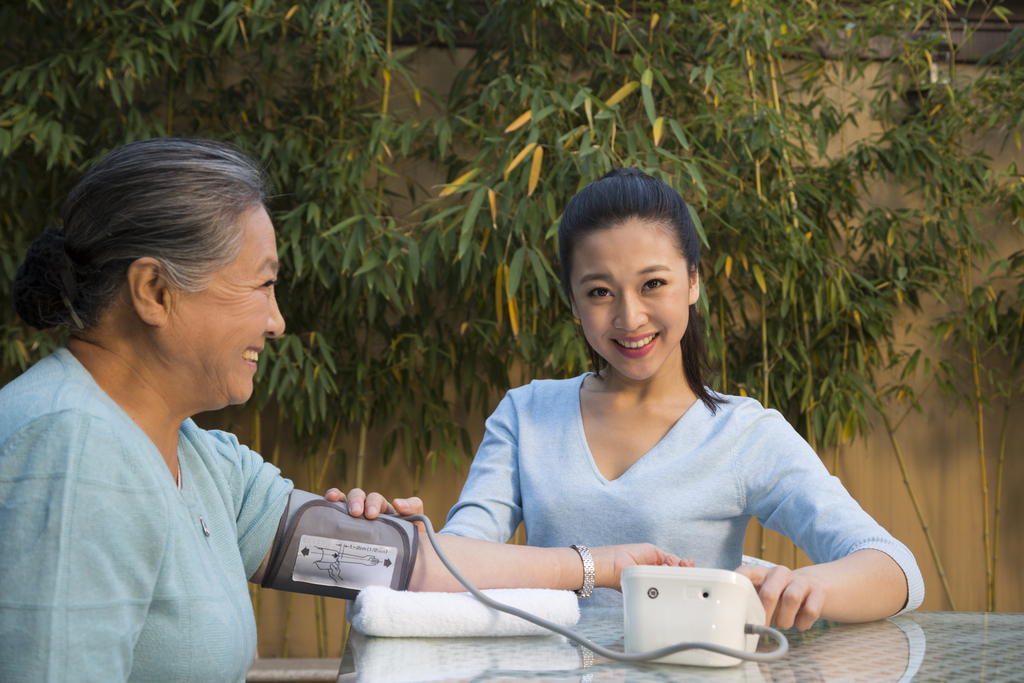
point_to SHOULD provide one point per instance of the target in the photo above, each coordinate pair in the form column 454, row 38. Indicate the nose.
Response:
column 631, row 314
column 275, row 323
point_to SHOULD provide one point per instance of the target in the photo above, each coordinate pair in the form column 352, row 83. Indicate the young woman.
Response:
column 642, row 450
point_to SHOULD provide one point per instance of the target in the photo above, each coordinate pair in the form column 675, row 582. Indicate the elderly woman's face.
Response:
column 221, row 330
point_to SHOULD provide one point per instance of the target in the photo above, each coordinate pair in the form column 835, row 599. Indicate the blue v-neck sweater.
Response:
column 693, row 494
column 107, row 571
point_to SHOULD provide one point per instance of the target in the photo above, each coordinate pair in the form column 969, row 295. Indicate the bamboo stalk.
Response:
column 361, row 454
column 170, row 106
column 615, row 27
column 1002, row 452
column 364, row 425
column 917, row 508
column 323, row 611
column 287, row 624
column 725, row 356
column 330, row 452
column 999, row 502
column 980, row 421
column 387, row 72
column 839, row 442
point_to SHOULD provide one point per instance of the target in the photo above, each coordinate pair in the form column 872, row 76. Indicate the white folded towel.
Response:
column 380, row 611
column 418, row 660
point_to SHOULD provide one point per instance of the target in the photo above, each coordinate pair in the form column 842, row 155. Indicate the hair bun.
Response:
column 36, row 292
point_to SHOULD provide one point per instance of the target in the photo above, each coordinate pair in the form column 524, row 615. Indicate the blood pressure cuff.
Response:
column 321, row 550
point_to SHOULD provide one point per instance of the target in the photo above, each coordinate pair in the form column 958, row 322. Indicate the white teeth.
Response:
column 637, row 344
column 250, row 355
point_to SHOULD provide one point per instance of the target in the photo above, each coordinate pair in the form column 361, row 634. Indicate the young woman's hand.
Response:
column 789, row 598
column 369, row 506
column 610, row 560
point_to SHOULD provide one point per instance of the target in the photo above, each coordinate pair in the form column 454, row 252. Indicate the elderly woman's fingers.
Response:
column 335, row 496
column 409, row 506
column 376, row 504
column 355, row 500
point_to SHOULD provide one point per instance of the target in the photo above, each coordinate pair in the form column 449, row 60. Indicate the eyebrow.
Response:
column 604, row 276
column 272, row 263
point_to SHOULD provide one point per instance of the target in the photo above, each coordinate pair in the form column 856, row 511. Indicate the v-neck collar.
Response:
column 578, row 403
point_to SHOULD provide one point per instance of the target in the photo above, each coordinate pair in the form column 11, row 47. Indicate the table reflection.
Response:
column 924, row 646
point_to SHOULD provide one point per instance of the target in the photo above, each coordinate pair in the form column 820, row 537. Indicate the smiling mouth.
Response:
column 250, row 356
column 639, row 344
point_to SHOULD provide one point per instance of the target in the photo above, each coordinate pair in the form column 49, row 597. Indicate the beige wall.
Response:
column 940, row 449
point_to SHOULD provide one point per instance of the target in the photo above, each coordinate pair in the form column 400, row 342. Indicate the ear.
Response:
column 694, row 294
column 572, row 302
column 149, row 292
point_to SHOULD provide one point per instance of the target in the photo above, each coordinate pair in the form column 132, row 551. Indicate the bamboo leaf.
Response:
column 459, row 182
column 678, row 132
column 659, row 125
column 469, row 221
column 538, row 161
column 372, row 262
column 518, row 158
column 492, row 199
column 513, row 317
column 515, row 272
column 622, row 93
column 648, row 98
column 519, row 122
column 759, row 276
column 499, row 286
column 538, row 269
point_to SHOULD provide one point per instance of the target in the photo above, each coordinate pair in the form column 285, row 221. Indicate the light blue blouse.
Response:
column 108, row 571
column 693, row 494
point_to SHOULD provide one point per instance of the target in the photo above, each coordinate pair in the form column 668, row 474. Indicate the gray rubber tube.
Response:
column 772, row 656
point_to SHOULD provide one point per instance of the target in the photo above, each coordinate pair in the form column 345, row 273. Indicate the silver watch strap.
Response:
column 588, row 571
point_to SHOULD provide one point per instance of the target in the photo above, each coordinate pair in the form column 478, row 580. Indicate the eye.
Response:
column 270, row 283
column 654, row 284
column 599, row 292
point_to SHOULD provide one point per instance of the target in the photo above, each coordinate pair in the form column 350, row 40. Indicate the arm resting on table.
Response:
column 863, row 586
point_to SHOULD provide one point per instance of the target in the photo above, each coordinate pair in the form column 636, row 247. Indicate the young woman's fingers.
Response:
column 755, row 574
column 770, row 591
column 811, row 609
column 790, row 602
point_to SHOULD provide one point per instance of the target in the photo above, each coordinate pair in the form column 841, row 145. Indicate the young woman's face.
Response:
column 631, row 291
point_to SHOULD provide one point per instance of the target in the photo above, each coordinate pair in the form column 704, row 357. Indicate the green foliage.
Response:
column 406, row 320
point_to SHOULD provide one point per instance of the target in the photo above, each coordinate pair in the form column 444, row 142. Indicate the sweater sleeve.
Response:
column 490, row 505
column 790, row 491
column 258, row 493
column 84, row 532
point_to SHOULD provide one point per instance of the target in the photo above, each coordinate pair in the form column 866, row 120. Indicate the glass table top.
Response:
column 919, row 646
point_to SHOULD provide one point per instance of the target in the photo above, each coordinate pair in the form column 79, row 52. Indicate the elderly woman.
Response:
column 127, row 532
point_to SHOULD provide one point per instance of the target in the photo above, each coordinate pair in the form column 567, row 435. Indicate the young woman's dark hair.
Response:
column 627, row 193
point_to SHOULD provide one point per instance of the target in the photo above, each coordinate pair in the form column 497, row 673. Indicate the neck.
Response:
column 667, row 384
column 134, row 382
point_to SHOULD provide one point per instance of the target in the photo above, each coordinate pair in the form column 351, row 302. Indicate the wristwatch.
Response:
column 588, row 571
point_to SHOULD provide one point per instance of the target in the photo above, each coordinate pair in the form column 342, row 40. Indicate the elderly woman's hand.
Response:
column 369, row 506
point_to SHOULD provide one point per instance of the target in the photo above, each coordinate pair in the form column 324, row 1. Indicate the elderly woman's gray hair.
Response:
column 172, row 199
